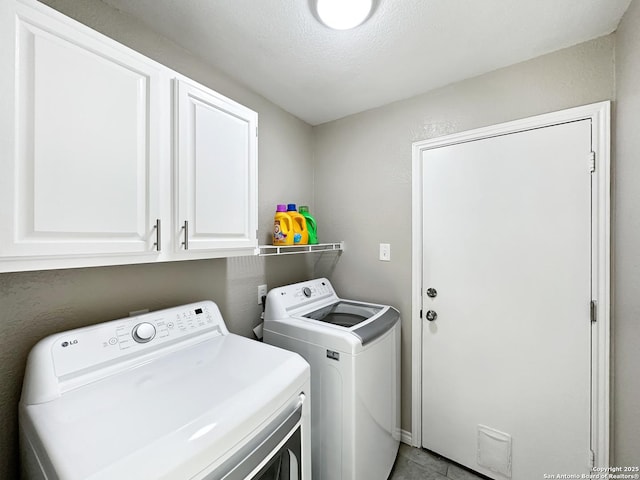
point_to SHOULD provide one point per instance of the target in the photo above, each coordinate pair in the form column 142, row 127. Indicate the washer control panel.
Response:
column 310, row 290
column 84, row 348
column 298, row 294
column 313, row 290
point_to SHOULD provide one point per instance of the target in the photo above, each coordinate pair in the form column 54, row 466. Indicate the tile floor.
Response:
column 416, row 464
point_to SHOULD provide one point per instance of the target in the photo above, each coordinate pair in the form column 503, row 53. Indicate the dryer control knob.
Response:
column 306, row 291
column 144, row 332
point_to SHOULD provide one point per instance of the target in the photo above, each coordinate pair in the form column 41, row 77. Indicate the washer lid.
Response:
column 355, row 316
column 344, row 313
column 170, row 418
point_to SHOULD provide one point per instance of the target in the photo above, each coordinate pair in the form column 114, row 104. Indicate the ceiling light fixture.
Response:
column 343, row 14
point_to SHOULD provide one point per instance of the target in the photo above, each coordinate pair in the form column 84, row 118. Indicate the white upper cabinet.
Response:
column 216, row 171
column 88, row 130
column 92, row 172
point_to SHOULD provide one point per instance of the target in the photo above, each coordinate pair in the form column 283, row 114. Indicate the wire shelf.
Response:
column 271, row 250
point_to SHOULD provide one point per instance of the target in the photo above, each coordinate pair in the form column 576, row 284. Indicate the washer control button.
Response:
column 144, row 332
column 306, row 291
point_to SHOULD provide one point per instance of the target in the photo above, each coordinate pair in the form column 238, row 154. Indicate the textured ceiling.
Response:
column 278, row 49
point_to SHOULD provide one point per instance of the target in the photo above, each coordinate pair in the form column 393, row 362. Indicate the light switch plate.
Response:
column 385, row 252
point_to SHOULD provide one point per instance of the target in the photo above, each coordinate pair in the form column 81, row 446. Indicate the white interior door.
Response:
column 507, row 246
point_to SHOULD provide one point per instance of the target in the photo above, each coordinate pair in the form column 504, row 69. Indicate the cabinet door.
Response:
column 216, row 172
column 84, row 167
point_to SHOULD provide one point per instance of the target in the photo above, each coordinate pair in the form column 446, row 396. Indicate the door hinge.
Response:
column 592, row 458
column 593, row 311
column 592, row 162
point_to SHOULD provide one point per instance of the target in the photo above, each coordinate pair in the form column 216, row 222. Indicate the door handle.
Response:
column 431, row 315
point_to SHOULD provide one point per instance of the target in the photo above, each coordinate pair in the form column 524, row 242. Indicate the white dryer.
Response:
column 354, row 351
column 166, row 395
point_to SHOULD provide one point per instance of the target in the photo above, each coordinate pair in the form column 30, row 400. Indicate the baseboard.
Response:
column 405, row 437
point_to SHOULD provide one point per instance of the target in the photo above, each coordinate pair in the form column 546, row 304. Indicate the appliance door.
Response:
column 279, row 444
column 286, row 463
column 365, row 321
column 344, row 313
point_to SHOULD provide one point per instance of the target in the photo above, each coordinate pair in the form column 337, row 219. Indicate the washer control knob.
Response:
column 306, row 291
column 144, row 332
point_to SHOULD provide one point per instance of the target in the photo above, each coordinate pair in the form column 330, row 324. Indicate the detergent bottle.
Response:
column 312, row 227
column 301, row 235
column 282, row 227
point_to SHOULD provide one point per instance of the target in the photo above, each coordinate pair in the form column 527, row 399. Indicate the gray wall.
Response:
column 35, row 304
column 363, row 164
column 362, row 170
column 626, row 256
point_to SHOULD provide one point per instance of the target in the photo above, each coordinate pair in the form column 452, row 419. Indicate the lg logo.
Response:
column 72, row 342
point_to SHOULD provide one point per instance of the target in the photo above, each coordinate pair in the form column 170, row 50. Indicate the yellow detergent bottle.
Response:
column 301, row 235
column 282, row 227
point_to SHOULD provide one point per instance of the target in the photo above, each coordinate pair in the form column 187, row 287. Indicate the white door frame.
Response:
column 599, row 114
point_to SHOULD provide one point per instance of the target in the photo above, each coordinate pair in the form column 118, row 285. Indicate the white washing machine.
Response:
column 165, row 395
column 354, row 352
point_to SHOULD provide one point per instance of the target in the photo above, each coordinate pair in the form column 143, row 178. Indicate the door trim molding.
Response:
column 600, row 116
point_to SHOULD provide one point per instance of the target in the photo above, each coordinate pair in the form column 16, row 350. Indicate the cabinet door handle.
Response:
column 185, row 227
column 158, row 229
